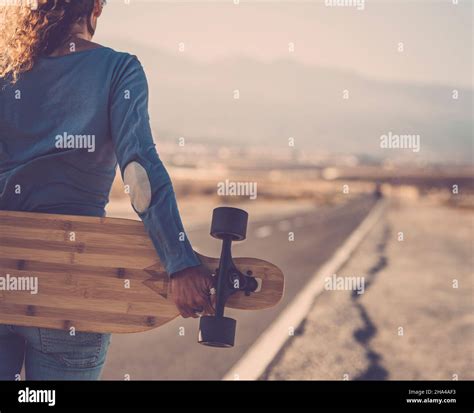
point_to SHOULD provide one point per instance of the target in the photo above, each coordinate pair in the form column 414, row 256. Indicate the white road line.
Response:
column 264, row 231
column 256, row 360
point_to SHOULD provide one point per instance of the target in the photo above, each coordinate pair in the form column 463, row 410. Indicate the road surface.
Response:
column 166, row 354
column 414, row 320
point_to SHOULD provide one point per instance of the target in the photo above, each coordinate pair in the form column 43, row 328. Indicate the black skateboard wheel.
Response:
column 227, row 221
column 217, row 331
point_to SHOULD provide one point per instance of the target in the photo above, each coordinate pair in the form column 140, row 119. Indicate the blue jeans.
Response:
column 51, row 354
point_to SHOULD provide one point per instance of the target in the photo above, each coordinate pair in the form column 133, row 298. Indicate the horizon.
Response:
column 215, row 30
column 198, row 55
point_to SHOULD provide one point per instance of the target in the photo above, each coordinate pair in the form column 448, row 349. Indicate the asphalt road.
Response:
column 168, row 354
column 414, row 320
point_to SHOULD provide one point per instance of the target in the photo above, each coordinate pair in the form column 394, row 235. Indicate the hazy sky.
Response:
column 436, row 34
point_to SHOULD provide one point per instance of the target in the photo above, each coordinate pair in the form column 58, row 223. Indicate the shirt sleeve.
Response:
column 133, row 142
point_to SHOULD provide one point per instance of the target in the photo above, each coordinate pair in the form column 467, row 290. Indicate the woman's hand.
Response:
column 192, row 291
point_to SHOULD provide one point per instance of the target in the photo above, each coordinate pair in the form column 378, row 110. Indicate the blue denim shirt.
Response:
column 64, row 126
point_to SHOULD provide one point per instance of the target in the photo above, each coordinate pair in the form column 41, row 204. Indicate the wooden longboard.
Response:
column 83, row 266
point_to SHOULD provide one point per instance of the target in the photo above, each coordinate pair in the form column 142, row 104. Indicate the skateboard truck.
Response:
column 228, row 224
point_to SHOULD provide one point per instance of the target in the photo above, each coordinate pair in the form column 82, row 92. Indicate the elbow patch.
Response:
column 136, row 179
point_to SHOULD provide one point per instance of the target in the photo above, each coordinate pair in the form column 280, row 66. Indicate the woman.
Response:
column 57, row 85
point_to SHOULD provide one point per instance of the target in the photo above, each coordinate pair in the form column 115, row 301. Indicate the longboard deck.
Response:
column 98, row 275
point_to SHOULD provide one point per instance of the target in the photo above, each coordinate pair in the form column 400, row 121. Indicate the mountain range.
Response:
column 323, row 109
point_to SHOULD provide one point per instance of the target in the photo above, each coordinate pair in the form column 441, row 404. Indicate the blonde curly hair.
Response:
column 32, row 28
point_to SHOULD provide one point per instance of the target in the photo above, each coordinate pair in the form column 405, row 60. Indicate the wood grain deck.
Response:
column 99, row 274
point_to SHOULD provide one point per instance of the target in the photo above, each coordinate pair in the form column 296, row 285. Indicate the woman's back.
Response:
column 57, row 154
column 70, row 111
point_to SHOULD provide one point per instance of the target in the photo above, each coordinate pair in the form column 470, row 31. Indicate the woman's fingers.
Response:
column 204, row 303
column 194, row 307
column 186, row 311
column 192, row 292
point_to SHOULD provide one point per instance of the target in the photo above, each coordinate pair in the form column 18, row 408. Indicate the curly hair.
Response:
column 32, row 28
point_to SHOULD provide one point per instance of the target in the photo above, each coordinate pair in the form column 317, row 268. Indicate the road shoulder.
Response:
column 410, row 323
